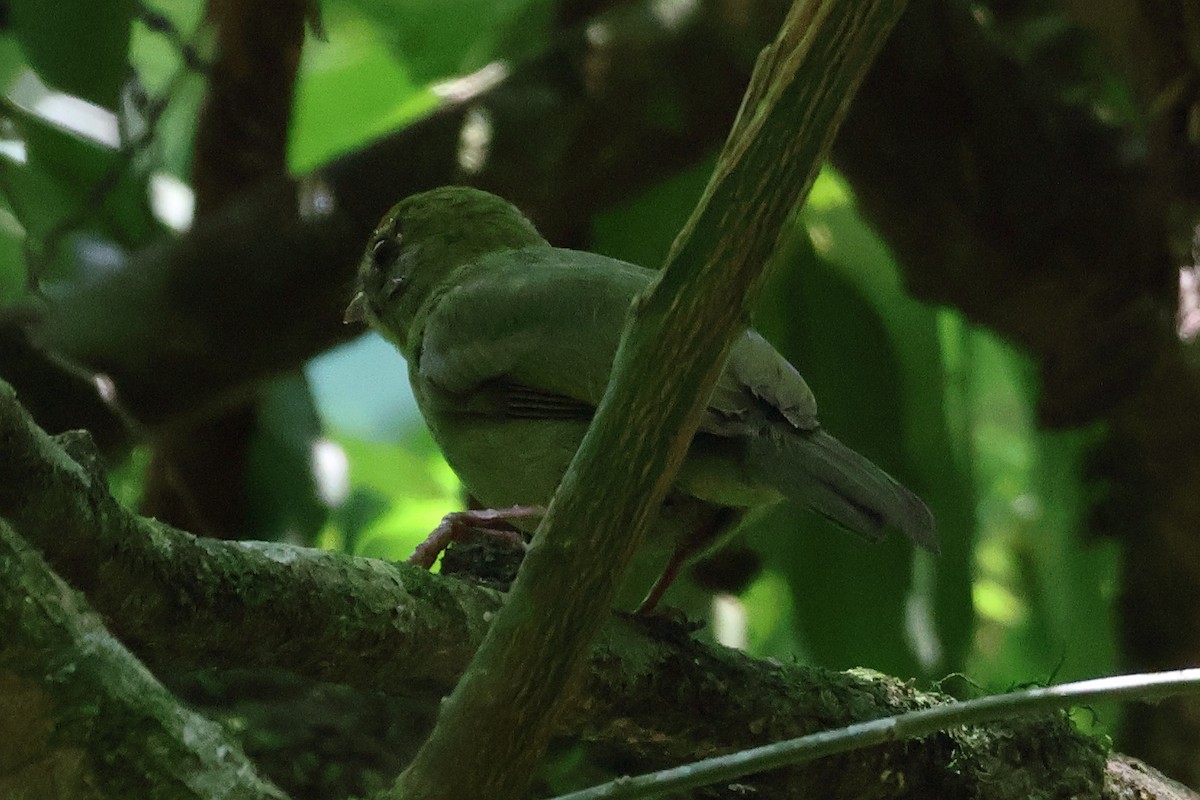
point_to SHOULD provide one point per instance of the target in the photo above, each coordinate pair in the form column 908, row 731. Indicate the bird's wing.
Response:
column 527, row 333
column 532, row 334
column 758, row 384
column 763, row 403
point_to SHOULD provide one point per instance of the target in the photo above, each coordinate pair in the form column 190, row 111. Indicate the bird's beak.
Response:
column 357, row 310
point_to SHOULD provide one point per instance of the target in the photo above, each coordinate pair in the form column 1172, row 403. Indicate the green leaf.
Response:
column 77, row 46
column 350, row 89
column 1045, row 597
column 872, row 357
column 435, row 40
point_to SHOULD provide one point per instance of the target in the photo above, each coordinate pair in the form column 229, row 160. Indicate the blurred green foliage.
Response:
column 342, row 458
column 47, row 32
column 354, row 78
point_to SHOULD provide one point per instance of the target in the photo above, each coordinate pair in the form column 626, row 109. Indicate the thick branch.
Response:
column 242, row 130
column 176, row 599
column 197, row 474
column 183, row 603
column 81, row 717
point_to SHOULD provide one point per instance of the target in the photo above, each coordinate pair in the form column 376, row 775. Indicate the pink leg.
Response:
column 669, row 573
column 709, row 528
column 459, row 525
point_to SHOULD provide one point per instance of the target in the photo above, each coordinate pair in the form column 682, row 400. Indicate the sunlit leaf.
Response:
column 351, row 89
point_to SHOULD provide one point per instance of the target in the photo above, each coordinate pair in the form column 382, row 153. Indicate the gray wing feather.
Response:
column 764, row 401
column 758, row 380
column 817, row 470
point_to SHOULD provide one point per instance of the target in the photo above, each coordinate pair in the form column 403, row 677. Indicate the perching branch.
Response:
column 182, row 603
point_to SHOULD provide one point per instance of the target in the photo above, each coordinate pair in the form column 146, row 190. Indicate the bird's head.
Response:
column 420, row 242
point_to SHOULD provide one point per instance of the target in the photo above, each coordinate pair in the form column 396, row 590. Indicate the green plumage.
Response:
column 510, row 343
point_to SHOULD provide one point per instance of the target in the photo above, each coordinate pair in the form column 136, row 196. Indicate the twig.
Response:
column 911, row 725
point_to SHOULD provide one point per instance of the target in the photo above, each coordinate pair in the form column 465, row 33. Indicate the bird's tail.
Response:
column 822, row 473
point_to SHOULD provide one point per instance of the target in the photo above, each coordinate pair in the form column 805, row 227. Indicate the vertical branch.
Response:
column 197, row 475
column 496, row 724
column 242, row 132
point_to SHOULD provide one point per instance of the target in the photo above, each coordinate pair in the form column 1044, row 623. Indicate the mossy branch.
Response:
column 81, row 717
column 181, row 603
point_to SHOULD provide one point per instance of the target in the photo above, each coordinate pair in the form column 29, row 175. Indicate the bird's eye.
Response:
column 384, row 251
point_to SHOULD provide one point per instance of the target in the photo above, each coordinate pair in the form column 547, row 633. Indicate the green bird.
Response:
column 510, row 343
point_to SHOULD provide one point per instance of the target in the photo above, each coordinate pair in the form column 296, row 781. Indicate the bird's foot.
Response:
column 462, row 525
column 664, row 622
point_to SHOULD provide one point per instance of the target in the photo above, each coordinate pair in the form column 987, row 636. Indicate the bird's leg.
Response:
column 668, row 576
column 709, row 525
column 458, row 526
